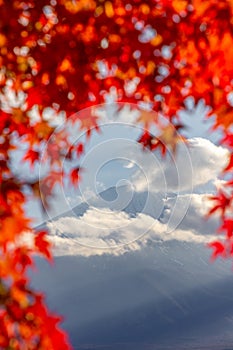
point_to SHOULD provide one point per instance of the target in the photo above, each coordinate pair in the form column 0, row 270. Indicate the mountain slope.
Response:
column 167, row 294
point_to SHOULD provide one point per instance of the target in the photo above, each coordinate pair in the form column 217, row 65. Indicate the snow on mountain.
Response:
column 122, row 198
column 121, row 219
column 160, row 291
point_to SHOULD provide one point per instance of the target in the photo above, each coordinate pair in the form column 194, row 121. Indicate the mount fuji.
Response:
column 164, row 294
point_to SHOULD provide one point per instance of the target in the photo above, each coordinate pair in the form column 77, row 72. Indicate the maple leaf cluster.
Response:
column 67, row 55
column 223, row 204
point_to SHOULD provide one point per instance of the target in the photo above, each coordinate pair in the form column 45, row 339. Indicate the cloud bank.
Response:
column 110, row 232
column 181, row 188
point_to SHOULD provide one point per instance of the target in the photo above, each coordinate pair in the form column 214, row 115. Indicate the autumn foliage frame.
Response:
column 69, row 55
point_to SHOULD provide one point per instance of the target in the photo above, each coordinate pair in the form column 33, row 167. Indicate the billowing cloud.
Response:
column 106, row 231
column 197, row 163
column 195, row 218
column 207, row 160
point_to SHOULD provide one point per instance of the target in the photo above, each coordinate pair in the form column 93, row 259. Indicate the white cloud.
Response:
column 99, row 231
column 196, row 164
column 105, row 231
column 130, row 165
column 194, row 218
column 207, row 160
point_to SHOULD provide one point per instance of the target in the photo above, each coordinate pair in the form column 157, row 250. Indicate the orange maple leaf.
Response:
column 147, row 118
column 170, row 138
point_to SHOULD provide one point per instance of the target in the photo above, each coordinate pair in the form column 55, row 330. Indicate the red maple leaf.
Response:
column 32, row 156
column 228, row 139
column 147, row 140
column 75, row 175
column 22, row 258
column 218, row 249
column 43, row 245
column 230, row 163
column 80, row 149
column 222, row 203
column 151, row 142
column 34, row 97
column 228, row 227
